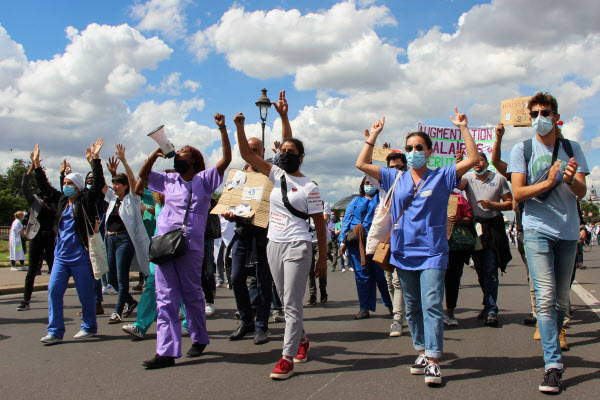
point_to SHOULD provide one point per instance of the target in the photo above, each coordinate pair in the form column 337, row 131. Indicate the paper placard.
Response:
column 514, row 112
column 452, row 208
column 379, row 153
column 256, row 192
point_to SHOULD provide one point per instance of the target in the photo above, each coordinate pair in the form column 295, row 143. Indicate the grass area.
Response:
column 4, row 252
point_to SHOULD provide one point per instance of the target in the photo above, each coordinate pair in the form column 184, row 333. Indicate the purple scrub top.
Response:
column 176, row 192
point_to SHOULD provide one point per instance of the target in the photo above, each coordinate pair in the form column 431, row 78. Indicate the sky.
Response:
column 71, row 72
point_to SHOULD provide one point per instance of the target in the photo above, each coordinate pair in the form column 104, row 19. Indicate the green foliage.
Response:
column 587, row 207
column 217, row 195
column 11, row 194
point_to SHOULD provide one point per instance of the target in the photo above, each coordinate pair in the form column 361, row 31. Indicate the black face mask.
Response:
column 181, row 166
column 290, row 162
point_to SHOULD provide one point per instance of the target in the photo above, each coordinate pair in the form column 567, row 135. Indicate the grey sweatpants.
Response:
column 396, row 294
column 290, row 265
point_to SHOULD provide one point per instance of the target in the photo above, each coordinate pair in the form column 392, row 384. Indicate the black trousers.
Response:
column 456, row 263
column 41, row 247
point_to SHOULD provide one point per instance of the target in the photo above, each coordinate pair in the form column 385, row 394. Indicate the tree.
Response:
column 587, row 208
column 11, row 193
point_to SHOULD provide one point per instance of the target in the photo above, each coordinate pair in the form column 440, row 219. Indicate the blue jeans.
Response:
column 551, row 263
column 85, row 285
column 486, row 265
column 120, row 253
column 368, row 279
column 423, row 295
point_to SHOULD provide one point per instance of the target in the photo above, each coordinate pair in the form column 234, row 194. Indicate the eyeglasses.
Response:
column 545, row 113
column 399, row 167
column 410, row 148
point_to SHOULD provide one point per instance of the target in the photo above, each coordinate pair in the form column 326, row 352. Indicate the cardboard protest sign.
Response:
column 379, row 153
column 247, row 195
column 448, row 141
column 514, row 112
column 452, row 208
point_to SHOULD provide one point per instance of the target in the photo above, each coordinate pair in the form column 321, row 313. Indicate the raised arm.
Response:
column 99, row 183
column 366, row 155
column 120, row 152
column 147, row 166
column 25, row 184
column 500, row 165
column 282, row 108
column 247, row 154
column 112, row 165
column 40, row 175
column 224, row 162
column 465, row 165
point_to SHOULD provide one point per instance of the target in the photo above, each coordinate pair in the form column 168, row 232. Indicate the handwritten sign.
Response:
column 380, row 154
column 448, row 141
column 514, row 112
column 452, row 208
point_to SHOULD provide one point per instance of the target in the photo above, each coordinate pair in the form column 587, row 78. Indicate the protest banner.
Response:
column 379, row 153
column 514, row 112
column 448, row 141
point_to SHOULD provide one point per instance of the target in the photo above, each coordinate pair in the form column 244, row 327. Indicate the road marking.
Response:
column 587, row 297
column 346, row 369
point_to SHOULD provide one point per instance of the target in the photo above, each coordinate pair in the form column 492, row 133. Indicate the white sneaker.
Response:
column 433, row 374
column 351, row 269
column 50, row 339
column 133, row 331
column 396, row 329
column 14, row 268
column 210, row 309
column 83, row 335
column 111, row 290
column 450, row 320
column 104, row 289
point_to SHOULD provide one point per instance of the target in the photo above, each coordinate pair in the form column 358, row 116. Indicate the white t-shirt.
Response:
column 313, row 230
column 303, row 195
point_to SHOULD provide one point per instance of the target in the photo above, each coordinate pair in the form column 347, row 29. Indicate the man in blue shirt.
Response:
column 549, row 184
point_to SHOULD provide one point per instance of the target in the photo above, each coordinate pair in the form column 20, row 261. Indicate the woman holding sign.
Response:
column 419, row 248
column 181, row 278
column 294, row 199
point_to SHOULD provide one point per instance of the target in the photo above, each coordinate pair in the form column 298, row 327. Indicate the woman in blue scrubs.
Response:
column 418, row 242
column 368, row 276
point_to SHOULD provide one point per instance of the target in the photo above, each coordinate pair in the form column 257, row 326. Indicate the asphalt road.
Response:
column 348, row 359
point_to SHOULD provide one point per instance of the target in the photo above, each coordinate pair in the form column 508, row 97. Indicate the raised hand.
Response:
column 377, row 126
column 281, row 106
column 459, row 119
column 367, row 134
column 112, row 165
column 120, row 152
column 386, row 145
column 459, row 156
column 499, row 131
column 36, row 153
column 277, row 144
column 570, row 171
column 65, row 167
column 96, row 147
column 239, row 120
column 88, row 155
column 220, row 120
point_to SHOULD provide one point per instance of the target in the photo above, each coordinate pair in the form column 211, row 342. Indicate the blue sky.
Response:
column 410, row 61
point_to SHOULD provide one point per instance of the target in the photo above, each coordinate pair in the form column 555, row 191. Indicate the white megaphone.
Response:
column 167, row 147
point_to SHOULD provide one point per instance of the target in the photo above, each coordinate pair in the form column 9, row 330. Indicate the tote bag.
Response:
column 97, row 250
column 382, row 221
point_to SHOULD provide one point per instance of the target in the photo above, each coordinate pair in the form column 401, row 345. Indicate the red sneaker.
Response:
column 302, row 356
column 283, row 370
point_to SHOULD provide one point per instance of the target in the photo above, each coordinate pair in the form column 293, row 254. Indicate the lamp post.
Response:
column 263, row 103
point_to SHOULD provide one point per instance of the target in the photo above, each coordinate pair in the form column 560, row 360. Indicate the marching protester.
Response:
column 419, row 248
column 40, row 233
column 15, row 242
column 249, row 249
column 191, row 188
column 332, row 244
column 126, row 237
column 355, row 228
column 294, row 199
column 312, row 279
column 71, row 256
column 549, row 181
column 488, row 195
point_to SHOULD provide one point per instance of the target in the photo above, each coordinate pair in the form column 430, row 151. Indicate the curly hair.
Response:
column 198, row 159
column 543, row 99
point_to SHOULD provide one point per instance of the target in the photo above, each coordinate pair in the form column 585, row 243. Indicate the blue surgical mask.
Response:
column 542, row 125
column 370, row 190
column 416, row 159
column 480, row 172
column 69, row 191
column 88, row 186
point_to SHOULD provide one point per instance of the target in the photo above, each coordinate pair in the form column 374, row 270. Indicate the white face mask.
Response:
column 542, row 125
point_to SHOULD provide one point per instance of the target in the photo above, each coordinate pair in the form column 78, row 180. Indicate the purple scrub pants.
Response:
column 180, row 279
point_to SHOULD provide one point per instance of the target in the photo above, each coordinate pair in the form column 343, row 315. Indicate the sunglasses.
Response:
column 545, row 113
column 410, row 148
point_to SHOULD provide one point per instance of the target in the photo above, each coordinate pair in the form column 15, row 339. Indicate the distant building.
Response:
column 592, row 197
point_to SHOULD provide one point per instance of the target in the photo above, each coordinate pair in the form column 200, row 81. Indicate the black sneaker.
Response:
column 129, row 309
column 433, row 374
column 260, row 337
column 159, row 362
column 491, row 320
column 552, row 381
column 418, row 368
column 362, row 314
column 23, row 306
column 312, row 300
column 196, row 350
column 323, row 298
column 531, row 320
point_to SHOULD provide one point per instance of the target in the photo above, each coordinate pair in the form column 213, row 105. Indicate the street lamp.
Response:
column 263, row 103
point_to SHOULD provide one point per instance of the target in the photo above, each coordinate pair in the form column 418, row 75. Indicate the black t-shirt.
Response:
column 115, row 223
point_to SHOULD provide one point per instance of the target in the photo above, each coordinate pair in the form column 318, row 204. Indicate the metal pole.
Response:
column 263, row 133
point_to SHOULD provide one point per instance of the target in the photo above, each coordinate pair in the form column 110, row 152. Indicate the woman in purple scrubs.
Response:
column 181, row 279
column 419, row 247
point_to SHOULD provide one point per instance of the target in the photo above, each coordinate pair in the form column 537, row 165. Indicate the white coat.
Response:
column 131, row 215
column 16, row 245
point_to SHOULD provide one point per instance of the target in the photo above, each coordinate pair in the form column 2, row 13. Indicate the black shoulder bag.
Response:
column 171, row 245
column 286, row 201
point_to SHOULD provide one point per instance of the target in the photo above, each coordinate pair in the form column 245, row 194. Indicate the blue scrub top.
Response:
column 359, row 209
column 68, row 248
column 418, row 240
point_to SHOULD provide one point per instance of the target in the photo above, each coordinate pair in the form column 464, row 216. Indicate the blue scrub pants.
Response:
column 368, row 279
column 84, row 283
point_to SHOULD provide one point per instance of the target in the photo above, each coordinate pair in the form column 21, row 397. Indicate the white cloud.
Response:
column 164, row 16
column 172, row 85
column 12, row 60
